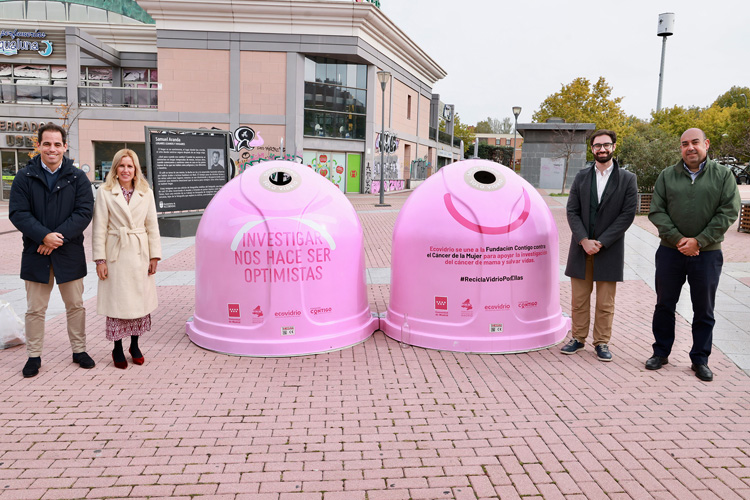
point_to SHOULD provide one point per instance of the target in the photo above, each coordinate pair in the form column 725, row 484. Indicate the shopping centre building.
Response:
column 302, row 75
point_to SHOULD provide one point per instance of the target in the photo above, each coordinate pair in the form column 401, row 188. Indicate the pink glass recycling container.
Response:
column 474, row 264
column 279, row 267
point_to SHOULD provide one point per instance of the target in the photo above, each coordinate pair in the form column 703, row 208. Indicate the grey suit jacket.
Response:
column 616, row 213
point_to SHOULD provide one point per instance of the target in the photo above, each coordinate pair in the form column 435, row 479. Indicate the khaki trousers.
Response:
column 604, row 311
column 37, row 300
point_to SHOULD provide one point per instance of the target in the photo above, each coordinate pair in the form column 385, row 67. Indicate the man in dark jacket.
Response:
column 601, row 207
column 51, row 204
column 694, row 203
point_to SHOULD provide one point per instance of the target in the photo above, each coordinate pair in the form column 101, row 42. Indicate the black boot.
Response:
column 118, row 356
column 32, row 367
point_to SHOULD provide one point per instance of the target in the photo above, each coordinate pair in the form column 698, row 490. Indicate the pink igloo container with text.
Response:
column 279, row 267
column 474, row 264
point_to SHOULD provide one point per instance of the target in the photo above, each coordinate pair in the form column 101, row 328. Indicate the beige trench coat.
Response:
column 127, row 236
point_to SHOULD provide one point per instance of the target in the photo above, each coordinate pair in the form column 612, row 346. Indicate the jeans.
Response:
column 702, row 273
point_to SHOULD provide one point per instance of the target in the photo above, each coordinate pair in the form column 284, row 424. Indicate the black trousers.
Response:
column 702, row 273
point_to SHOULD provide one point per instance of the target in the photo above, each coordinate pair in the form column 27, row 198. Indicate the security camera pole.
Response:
column 665, row 29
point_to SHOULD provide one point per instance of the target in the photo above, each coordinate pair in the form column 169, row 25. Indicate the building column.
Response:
column 235, row 76
column 73, row 63
column 295, row 105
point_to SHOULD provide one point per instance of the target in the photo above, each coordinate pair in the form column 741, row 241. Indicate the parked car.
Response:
column 741, row 173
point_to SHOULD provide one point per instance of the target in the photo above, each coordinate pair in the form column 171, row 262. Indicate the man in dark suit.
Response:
column 51, row 204
column 601, row 207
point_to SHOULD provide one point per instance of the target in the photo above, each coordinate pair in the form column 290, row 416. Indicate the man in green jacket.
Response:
column 694, row 203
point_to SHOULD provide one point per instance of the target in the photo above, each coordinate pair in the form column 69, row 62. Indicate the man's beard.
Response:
column 604, row 159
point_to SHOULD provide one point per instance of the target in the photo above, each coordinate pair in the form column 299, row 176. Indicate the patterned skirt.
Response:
column 118, row 329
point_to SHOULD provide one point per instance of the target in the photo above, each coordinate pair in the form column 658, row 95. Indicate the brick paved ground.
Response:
column 376, row 421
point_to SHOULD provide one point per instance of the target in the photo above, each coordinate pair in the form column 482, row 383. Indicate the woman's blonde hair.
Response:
column 139, row 182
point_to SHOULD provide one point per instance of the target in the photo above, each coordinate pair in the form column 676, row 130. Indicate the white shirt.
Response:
column 601, row 180
column 45, row 167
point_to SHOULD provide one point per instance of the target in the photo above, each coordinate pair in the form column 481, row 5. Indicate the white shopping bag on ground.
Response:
column 11, row 327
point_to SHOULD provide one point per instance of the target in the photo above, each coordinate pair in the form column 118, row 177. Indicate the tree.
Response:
column 68, row 114
column 485, row 126
column 494, row 126
column 566, row 147
column 726, row 124
column 735, row 96
column 582, row 102
column 460, row 130
column 499, row 154
column 646, row 152
column 676, row 120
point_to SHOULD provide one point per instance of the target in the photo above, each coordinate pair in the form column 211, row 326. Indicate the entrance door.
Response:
column 353, row 167
column 9, row 169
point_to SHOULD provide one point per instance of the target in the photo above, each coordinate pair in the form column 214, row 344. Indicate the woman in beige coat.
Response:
column 126, row 250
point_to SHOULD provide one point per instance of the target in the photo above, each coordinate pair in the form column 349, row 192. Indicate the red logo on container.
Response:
column 441, row 303
column 234, row 310
column 466, row 305
column 258, row 312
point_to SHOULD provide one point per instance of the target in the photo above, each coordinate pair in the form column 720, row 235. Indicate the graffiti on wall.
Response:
column 391, row 170
column 388, row 142
column 391, row 181
column 420, row 169
column 388, row 185
column 252, row 149
column 368, row 178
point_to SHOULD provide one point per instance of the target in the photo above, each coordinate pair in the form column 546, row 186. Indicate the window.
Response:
column 335, row 98
column 144, row 78
column 33, row 84
column 408, row 107
column 497, row 142
column 138, row 89
column 96, row 76
column 507, row 142
column 105, row 151
column 97, row 11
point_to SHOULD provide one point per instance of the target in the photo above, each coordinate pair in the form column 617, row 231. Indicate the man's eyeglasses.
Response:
column 599, row 147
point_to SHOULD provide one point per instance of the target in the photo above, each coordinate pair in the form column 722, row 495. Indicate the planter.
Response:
column 744, row 224
column 644, row 203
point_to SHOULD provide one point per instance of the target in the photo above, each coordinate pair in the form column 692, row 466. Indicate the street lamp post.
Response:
column 743, row 95
column 516, row 112
column 383, row 77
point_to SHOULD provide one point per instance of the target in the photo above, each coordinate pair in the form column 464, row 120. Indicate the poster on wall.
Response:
column 551, row 173
column 187, row 166
column 332, row 166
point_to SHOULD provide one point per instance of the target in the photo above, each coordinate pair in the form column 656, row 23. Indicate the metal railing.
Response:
column 20, row 93
column 118, row 97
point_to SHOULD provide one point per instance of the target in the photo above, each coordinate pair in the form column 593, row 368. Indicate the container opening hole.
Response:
column 484, row 177
column 280, row 178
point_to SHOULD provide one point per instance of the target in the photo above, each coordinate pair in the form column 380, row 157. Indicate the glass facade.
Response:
column 105, row 151
column 335, row 99
column 139, row 87
column 33, row 84
column 11, row 160
column 98, row 11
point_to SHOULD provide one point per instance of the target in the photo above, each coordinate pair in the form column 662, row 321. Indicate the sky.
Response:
column 499, row 54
